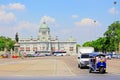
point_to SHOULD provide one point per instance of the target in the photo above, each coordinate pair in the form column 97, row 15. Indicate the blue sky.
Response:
column 84, row 20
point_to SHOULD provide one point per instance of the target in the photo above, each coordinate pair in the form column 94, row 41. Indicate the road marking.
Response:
column 69, row 69
column 55, row 67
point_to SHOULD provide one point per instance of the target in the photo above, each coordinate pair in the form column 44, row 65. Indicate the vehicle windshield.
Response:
column 85, row 56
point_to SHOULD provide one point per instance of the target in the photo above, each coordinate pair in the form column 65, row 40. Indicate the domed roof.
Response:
column 71, row 39
column 44, row 26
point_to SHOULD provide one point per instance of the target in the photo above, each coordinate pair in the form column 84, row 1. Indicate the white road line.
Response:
column 69, row 69
column 55, row 67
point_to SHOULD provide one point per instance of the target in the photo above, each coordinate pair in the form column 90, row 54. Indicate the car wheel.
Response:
column 80, row 66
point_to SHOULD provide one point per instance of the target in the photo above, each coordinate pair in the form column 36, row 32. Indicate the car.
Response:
column 108, row 56
column 6, row 55
column 47, row 54
column 114, row 56
column 59, row 53
column 39, row 54
column 29, row 55
column 83, row 56
column 118, row 56
column 83, row 60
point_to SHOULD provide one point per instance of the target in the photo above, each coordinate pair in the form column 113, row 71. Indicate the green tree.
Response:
column 7, row 43
column 88, row 44
column 99, row 44
column 2, row 43
column 113, row 36
column 109, row 42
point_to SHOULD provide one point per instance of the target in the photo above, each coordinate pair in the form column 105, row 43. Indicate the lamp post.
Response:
column 115, row 2
column 115, row 9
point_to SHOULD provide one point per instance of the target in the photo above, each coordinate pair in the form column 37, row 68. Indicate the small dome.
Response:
column 44, row 26
column 71, row 39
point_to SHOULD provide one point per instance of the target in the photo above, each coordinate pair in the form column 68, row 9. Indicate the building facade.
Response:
column 46, row 43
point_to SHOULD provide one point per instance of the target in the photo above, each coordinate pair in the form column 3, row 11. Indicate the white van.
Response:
column 83, row 56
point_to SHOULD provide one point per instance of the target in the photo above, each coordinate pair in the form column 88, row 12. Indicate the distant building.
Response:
column 45, row 42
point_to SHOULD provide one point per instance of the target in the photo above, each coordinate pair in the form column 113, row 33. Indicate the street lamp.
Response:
column 115, row 2
column 115, row 9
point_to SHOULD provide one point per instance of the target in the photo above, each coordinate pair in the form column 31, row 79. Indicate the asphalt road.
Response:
column 41, row 66
column 53, row 68
column 81, row 77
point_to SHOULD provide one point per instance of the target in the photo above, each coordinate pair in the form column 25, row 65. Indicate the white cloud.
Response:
column 7, row 17
column 113, row 11
column 16, row 6
column 24, row 28
column 88, row 29
column 2, row 7
column 75, row 16
column 87, row 22
column 47, row 19
column 12, row 6
column 25, row 25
